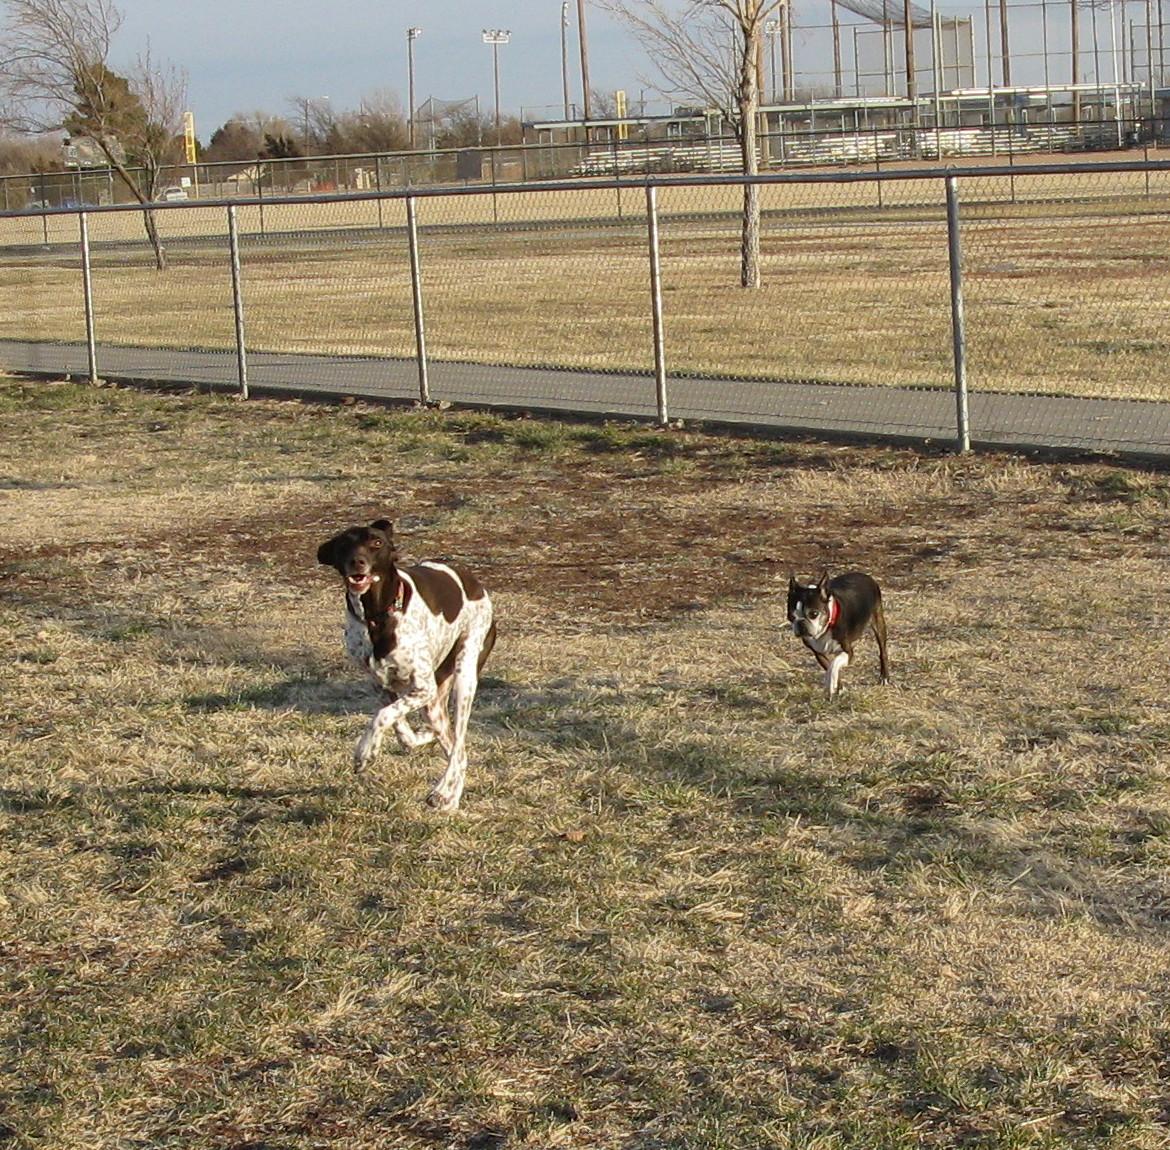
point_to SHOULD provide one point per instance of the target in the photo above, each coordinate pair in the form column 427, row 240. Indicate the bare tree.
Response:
column 379, row 125
column 313, row 116
column 56, row 75
column 709, row 52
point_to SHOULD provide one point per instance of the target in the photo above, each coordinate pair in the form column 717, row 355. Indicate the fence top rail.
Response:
column 627, row 183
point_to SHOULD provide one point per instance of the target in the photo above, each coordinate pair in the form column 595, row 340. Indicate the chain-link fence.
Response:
column 645, row 148
column 996, row 305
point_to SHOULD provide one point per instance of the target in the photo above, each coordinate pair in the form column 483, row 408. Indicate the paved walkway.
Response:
column 1124, row 426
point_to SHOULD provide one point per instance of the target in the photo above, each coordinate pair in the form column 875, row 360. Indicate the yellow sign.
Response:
column 189, row 136
column 619, row 101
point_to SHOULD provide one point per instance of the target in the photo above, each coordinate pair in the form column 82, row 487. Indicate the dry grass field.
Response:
column 1067, row 282
column 687, row 903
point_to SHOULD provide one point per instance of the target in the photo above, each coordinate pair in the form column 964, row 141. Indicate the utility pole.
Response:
column 1006, row 63
column 911, row 77
column 584, row 39
column 1076, row 63
column 911, row 71
column 789, row 55
column 837, row 89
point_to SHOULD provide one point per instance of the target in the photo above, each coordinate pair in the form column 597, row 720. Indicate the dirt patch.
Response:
column 612, row 520
column 631, row 545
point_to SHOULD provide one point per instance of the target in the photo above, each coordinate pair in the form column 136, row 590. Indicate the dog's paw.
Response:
column 410, row 739
column 445, row 803
column 365, row 751
column 447, row 791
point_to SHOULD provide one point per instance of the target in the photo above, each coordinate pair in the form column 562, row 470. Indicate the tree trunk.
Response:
column 749, row 99
column 749, row 273
column 160, row 254
column 148, row 220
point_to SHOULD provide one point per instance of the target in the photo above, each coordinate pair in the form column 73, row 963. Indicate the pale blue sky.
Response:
column 262, row 55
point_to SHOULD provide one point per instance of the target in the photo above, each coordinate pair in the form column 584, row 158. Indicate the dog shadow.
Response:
column 236, row 792
column 870, row 828
column 305, row 694
column 315, row 693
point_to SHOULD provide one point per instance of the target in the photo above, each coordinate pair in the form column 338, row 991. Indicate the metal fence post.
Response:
column 958, row 320
column 260, row 194
column 656, row 303
column 87, row 288
column 420, row 331
column 238, row 301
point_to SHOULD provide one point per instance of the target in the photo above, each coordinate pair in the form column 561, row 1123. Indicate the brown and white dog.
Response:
column 423, row 632
column 830, row 616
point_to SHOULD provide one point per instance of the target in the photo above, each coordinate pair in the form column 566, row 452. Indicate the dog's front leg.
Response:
column 408, row 738
column 833, row 673
column 391, row 715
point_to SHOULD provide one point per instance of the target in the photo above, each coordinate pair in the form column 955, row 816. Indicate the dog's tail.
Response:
column 488, row 643
column 878, row 626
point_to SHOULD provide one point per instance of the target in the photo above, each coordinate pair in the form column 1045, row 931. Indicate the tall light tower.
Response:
column 565, row 53
column 772, row 29
column 412, row 34
column 495, row 37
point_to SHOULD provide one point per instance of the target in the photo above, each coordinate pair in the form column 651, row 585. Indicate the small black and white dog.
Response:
column 831, row 615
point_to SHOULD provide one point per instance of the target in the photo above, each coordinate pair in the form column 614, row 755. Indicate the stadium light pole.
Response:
column 772, row 30
column 565, row 54
column 412, row 34
column 495, row 37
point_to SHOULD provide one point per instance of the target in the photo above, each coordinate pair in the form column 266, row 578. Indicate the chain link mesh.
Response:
column 540, row 298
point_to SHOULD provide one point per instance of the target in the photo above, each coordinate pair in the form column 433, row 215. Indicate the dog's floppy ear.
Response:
column 327, row 553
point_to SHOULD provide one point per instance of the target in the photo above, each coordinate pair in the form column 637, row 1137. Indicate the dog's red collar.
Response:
column 399, row 604
column 834, row 611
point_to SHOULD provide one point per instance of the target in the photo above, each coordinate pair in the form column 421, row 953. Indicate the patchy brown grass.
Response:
column 687, row 904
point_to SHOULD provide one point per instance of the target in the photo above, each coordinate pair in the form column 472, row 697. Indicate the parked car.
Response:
column 173, row 193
